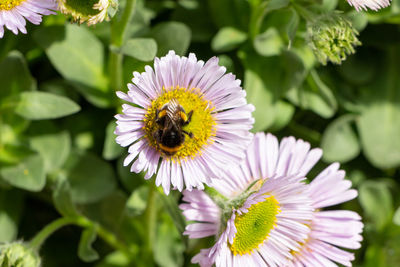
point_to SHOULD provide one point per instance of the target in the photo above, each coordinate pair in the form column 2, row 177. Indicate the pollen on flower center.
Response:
column 10, row 4
column 201, row 126
column 254, row 226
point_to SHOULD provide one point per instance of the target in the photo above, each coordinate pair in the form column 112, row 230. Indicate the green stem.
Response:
column 118, row 33
column 151, row 219
column 47, row 231
column 81, row 221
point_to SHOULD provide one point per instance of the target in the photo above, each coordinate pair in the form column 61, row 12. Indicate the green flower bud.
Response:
column 17, row 254
column 92, row 11
column 332, row 37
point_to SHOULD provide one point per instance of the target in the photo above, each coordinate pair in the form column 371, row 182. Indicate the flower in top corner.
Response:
column 90, row 11
column 186, row 121
column 14, row 13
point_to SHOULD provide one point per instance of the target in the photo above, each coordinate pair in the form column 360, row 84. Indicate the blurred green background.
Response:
column 58, row 156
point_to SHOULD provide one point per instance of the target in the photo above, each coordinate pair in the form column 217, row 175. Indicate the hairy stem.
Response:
column 118, row 32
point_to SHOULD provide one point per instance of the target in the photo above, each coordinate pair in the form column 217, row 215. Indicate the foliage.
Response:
column 58, row 158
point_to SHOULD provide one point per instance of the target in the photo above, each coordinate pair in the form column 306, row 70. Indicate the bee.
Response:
column 170, row 135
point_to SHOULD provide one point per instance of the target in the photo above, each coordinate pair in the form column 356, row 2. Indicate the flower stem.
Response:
column 151, row 220
column 48, row 230
column 118, row 32
column 109, row 237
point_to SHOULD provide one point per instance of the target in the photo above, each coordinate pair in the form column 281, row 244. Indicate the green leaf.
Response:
column 54, row 149
column 75, row 52
column 283, row 115
column 62, row 198
column 172, row 207
column 339, row 141
column 168, row 247
column 115, row 259
column 379, row 123
column 29, row 174
column 292, row 26
column 261, row 98
column 268, row 43
column 111, row 149
column 137, row 202
column 41, row 105
column 376, row 201
column 78, row 56
column 14, row 76
column 171, row 36
column 10, row 212
column 277, row 4
column 379, row 128
column 396, row 216
column 85, row 250
column 227, row 39
column 143, row 49
column 359, row 20
column 90, row 178
column 314, row 95
column 13, row 154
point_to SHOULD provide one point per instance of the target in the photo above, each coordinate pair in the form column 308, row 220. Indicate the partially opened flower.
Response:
column 264, row 215
column 372, row 4
column 18, row 254
column 189, row 120
column 332, row 37
column 14, row 13
column 330, row 228
column 91, row 11
column 260, row 211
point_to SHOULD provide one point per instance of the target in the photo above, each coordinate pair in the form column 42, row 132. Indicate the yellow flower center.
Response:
column 254, row 226
column 201, row 126
column 9, row 4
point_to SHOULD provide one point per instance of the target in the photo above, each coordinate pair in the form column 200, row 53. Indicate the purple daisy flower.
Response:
column 372, row 4
column 189, row 120
column 259, row 213
column 14, row 13
column 331, row 228
column 241, row 210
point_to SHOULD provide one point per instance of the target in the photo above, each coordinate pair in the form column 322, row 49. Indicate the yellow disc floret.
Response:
column 254, row 226
column 201, row 126
column 9, row 4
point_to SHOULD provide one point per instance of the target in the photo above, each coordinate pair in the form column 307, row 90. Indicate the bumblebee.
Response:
column 170, row 135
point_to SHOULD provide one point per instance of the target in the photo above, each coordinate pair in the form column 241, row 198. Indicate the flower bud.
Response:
column 90, row 11
column 332, row 37
column 17, row 254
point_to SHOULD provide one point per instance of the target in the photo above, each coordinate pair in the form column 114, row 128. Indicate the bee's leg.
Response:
column 189, row 117
column 189, row 134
